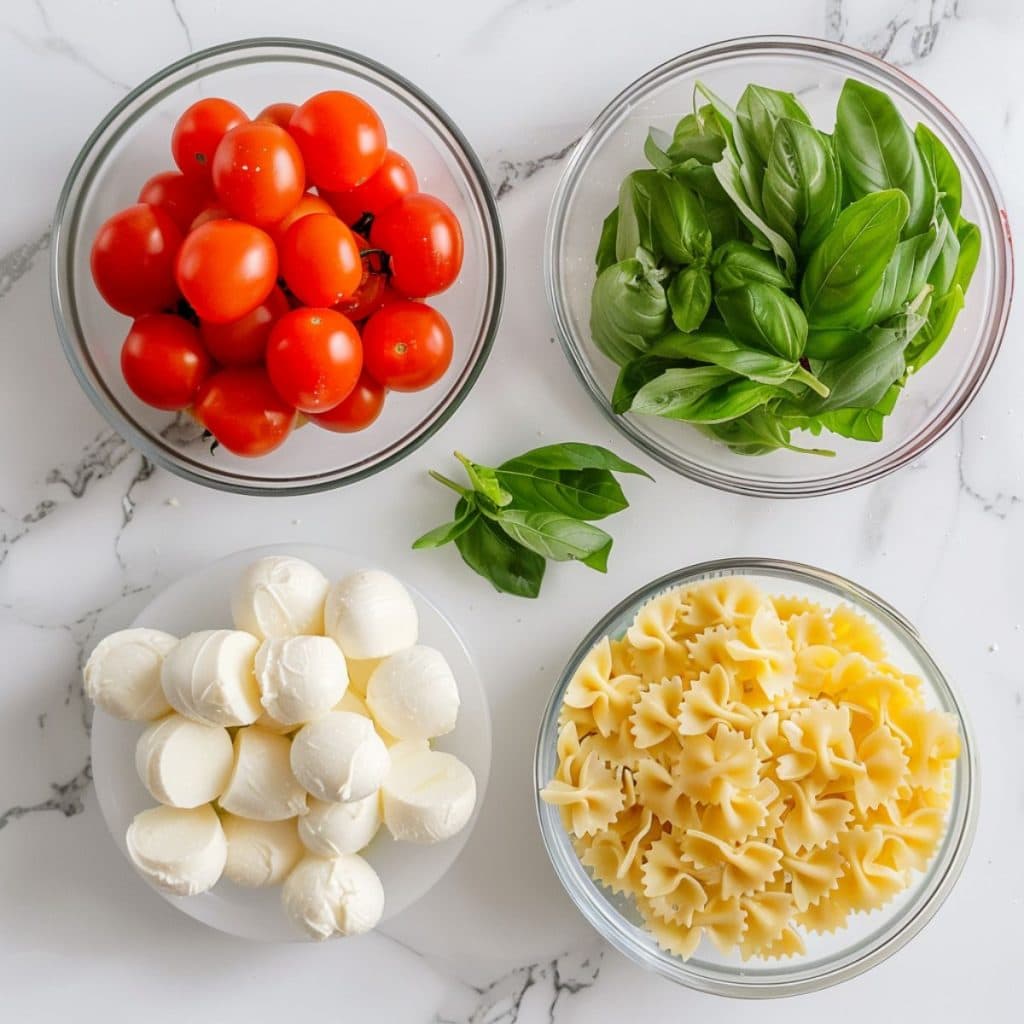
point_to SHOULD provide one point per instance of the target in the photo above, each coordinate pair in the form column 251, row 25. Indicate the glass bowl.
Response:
column 869, row 938
column 613, row 145
column 133, row 142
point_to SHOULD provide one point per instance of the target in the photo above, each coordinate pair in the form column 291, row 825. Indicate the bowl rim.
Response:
column 991, row 334
column 61, row 253
column 592, row 900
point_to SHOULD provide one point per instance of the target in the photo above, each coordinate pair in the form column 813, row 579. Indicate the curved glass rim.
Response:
column 65, row 226
column 993, row 209
column 592, row 901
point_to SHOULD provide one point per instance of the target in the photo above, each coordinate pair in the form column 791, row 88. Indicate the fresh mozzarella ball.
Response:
column 184, row 763
column 370, row 615
column 413, row 694
column 336, row 896
column 280, row 596
column 300, row 677
column 329, row 829
column 427, row 796
column 339, row 757
column 122, row 675
column 262, row 785
column 359, row 673
column 181, row 851
column 260, row 853
column 208, row 677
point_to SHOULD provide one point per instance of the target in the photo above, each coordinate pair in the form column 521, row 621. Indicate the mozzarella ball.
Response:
column 280, row 596
column 122, row 675
column 208, row 677
column 329, row 829
column 428, row 796
column 370, row 615
column 184, row 763
column 339, row 757
column 260, row 853
column 336, row 896
column 300, row 677
column 413, row 694
column 181, row 851
column 262, row 785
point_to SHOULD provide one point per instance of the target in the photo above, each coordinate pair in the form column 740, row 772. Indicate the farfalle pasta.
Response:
column 750, row 769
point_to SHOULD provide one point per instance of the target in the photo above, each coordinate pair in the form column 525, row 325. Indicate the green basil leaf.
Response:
column 662, row 215
column 933, row 334
column 632, row 377
column 845, row 270
column 969, row 237
column 581, row 493
column 907, row 272
column 689, row 297
column 802, row 189
column 655, row 146
column 701, row 395
column 863, row 424
column 723, row 221
column 942, row 275
column 757, row 433
column 694, row 140
column 634, row 226
column 449, row 532
column 605, row 255
column 576, row 455
column 628, row 308
column 485, row 481
column 759, row 111
column 739, row 152
column 598, row 560
column 763, row 316
column 491, row 553
column 943, row 170
column 877, row 151
column 551, row 535
column 739, row 263
column 833, row 342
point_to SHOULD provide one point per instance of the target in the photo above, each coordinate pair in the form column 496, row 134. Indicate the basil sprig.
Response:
column 763, row 277
column 540, row 505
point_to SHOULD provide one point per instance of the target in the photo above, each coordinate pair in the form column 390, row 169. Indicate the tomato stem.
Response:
column 363, row 225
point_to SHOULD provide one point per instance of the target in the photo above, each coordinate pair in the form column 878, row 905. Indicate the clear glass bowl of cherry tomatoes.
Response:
column 277, row 267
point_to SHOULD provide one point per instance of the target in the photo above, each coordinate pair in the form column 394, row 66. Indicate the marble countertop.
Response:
column 89, row 531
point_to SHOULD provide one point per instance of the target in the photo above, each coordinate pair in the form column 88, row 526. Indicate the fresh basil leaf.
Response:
column 943, row 272
column 739, row 152
column 759, row 432
column 633, row 376
column 941, row 318
column 689, row 297
column 628, row 308
column 943, row 170
column 737, row 264
column 598, row 560
column 634, row 228
column 551, row 535
column 660, row 214
column 581, row 493
column 763, row 316
column 706, row 394
column 845, row 270
column 605, row 255
column 833, row 342
column 907, row 272
column 695, row 140
column 576, row 455
column 759, row 111
column 655, row 146
column 449, row 532
column 491, row 553
column 863, row 424
column 969, row 237
column 877, row 151
column 485, row 481
column 802, row 190
column 723, row 221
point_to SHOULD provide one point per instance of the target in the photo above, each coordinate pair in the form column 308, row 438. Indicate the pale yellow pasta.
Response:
column 750, row 768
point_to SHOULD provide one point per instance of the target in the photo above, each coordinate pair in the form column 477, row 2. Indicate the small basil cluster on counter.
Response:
column 539, row 506
column 763, row 276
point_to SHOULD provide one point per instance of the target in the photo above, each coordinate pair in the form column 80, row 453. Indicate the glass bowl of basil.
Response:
column 779, row 265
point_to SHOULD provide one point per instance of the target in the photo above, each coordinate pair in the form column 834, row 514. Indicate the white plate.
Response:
column 408, row 871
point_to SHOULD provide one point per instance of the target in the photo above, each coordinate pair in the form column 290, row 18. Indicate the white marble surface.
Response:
column 88, row 531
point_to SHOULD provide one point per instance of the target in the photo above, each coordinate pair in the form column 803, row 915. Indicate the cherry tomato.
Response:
column 258, row 173
column 133, row 258
column 367, row 298
column 341, row 137
column 210, row 213
column 358, row 411
column 393, row 179
column 424, row 240
column 243, row 411
column 163, row 361
column 308, row 204
column 314, row 358
column 407, row 345
column 243, row 342
column 226, row 269
column 181, row 198
column 320, row 260
column 277, row 113
column 198, row 132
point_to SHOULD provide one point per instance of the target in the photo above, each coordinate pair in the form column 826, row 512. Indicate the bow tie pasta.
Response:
column 750, row 768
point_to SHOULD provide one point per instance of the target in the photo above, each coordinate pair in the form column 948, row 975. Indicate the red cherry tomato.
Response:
column 210, row 213
column 320, row 260
column 367, row 298
column 163, row 361
column 181, row 198
column 133, row 258
column 341, row 137
column 393, row 179
column 308, row 204
column 314, row 358
column 423, row 238
column 258, row 173
column 226, row 269
column 243, row 411
column 358, row 411
column 198, row 132
column 407, row 345
column 277, row 113
column 244, row 342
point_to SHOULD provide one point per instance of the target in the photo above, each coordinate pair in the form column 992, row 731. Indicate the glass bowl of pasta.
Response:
column 753, row 778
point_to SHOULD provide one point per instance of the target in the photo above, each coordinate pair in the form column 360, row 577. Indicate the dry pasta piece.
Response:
column 657, row 651
column 911, row 832
column 589, row 793
column 711, row 765
column 730, row 601
column 614, row 855
column 789, row 943
column 788, row 605
column 885, row 769
column 866, row 882
column 931, row 741
column 765, row 915
column 714, row 697
column 809, row 629
column 812, row 821
column 742, row 813
column 675, row 889
column 852, row 632
column 821, row 746
column 829, row 914
column 594, row 689
column 680, row 940
column 722, row 920
column 765, row 656
column 661, row 790
column 617, row 748
column 812, row 874
column 655, row 713
column 745, row 868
